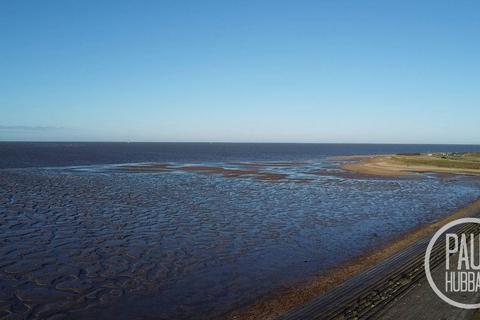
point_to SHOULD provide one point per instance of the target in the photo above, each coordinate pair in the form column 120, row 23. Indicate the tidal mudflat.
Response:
column 195, row 240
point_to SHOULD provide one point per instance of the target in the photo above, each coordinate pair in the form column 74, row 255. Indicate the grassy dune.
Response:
column 447, row 160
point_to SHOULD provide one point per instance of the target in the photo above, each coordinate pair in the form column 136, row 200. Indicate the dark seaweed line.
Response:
column 385, row 283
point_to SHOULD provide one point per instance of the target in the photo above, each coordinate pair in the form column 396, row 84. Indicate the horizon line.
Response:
column 234, row 142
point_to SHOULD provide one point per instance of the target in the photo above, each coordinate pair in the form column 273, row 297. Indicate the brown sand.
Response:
column 346, row 174
column 271, row 164
column 236, row 172
column 156, row 167
column 227, row 172
column 284, row 300
column 393, row 166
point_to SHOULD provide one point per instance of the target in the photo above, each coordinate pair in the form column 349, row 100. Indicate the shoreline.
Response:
column 284, row 300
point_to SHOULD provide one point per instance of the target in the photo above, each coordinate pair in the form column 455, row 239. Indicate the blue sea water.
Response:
column 80, row 238
column 35, row 154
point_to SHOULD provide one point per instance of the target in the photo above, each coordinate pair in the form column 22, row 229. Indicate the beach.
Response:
column 224, row 238
column 284, row 301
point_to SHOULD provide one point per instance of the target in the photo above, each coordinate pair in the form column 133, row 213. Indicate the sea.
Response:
column 83, row 237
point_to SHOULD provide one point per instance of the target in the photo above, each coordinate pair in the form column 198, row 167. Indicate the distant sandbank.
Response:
column 407, row 164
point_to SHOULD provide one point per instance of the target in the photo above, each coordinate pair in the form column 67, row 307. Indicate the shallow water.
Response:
column 91, row 241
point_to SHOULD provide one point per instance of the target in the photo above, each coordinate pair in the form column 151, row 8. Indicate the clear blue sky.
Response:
column 267, row 71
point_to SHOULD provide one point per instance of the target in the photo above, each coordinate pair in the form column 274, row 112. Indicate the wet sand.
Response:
column 154, row 167
column 251, row 171
column 283, row 164
column 235, row 172
column 348, row 174
column 194, row 240
column 284, row 300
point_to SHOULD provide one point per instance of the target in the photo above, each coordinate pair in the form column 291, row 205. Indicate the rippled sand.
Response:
column 193, row 241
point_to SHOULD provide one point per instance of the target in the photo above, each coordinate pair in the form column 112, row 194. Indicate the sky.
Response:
column 240, row 71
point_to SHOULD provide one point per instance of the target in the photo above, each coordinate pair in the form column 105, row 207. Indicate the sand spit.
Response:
column 348, row 174
column 284, row 300
column 378, row 166
column 404, row 164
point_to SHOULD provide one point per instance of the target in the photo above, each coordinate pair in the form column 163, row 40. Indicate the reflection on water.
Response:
column 179, row 243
